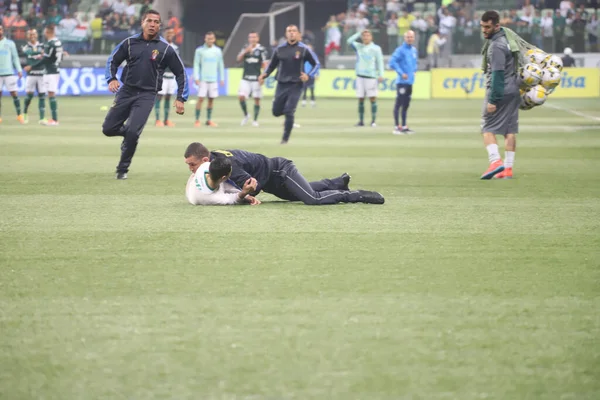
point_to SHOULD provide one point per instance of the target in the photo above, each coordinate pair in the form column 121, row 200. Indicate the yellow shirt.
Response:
column 404, row 24
column 96, row 27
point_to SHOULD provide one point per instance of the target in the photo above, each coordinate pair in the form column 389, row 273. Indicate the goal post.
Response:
column 270, row 26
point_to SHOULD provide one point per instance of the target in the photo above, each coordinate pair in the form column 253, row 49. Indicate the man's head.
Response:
column 50, row 32
column 195, row 155
column 292, row 34
column 366, row 36
column 409, row 37
column 209, row 39
column 169, row 35
column 490, row 23
column 253, row 39
column 32, row 35
column 220, row 169
column 549, row 14
column 151, row 24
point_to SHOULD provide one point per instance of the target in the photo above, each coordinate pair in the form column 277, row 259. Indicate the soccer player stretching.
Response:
column 369, row 72
column 501, row 104
column 255, row 57
column 34, row 50
column 169, row 87
column 405, row 62
column 289, row 59
column 147, row 56
column 9, row 61
column 208, row 67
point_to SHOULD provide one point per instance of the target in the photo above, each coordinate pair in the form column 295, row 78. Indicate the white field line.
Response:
column 574, row 112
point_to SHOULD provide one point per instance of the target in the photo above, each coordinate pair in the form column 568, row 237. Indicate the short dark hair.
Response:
column 491, row 16
column 151, row 12
column 219, row 167
column 50, row 28
column 197, row 150
column 209, row 33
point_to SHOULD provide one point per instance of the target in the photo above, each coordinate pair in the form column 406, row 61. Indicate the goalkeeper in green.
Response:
column 369, row 72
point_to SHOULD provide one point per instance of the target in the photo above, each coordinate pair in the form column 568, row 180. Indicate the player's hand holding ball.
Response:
column 303, row 77
column 491, row 108
column 114, row 86
column 179, row 107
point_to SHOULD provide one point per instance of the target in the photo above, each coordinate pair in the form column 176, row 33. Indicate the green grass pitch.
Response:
column 456, row 288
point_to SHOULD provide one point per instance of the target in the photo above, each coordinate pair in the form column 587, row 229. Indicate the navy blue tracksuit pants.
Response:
column 403, row 96
column 287, row 183
column 285, row 102
column 133, row 106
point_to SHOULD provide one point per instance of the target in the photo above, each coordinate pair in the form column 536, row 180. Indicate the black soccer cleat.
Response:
column 360, row 124
column 367, row 197
column 283, row 142
column 407, row 131
column 346, row 178
column 121, row 176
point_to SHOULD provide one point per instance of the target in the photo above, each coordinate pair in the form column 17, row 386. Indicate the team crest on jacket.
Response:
column 154, row 54
column 297, row 55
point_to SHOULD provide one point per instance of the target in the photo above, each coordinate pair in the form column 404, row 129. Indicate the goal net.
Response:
column 270, row 26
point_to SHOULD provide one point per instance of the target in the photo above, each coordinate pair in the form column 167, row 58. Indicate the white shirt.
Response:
column 565, row 6
column 199, row 193
column 546, row 24
column 130, row 10
column 362, row 24
column 119, row 7
column 68, row 24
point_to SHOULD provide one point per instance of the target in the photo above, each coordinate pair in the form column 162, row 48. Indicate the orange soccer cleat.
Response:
column 197, row 124
column 169, row 123
column 211, row 124
column 506, row 174
column 21, row 118
column 495, row 168
column 159, row 124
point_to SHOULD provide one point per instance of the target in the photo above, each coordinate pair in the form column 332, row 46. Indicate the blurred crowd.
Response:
column 450, row 27
column 96, row 30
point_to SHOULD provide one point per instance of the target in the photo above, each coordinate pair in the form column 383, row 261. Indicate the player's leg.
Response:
column 11, row 86
column 405, row 105
column 371, row 93
column 281, row 94
column 118, row 113
column 141, row 108
column 243, row 93
column 289, row 110
column 29, row 92
column 304, row 95
column 373, row 101
column 202, row 92
column 298, row 187
column 360, row 94
column 257, row 94
column 510, row 140
column 213, row 93
column 51, row 82
column 397, row 106
column 167, row 110
column 491, row 125
column 339, row 183
column 41, row 90
column 312, row 92
column 159, row 97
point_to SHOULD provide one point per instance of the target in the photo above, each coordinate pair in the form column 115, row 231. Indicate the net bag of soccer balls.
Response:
column 538, row 77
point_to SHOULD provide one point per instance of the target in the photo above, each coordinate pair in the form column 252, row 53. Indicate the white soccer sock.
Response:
column 509, row 159
column 493, row 153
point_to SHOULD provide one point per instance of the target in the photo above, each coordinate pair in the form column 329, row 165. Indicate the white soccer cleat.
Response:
column 373, row 125
column 245, row 120
column 303, row 103
column 313, row 104
column 52, row 122
column 398, row 131
column 296, row 125
column 255, row 123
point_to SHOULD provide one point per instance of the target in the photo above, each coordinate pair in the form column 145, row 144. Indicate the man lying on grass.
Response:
column 278, row 176
column 209, row 186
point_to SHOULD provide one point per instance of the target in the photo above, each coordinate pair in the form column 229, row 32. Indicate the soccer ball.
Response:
column 550, row 78
column 530, row 75
column 536, row 96
column 553, row 61
column 536, row 56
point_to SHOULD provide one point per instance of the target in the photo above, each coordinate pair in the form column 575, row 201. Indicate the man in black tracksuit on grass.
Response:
column 289, row 59
column 147, row 55
column 280, row 177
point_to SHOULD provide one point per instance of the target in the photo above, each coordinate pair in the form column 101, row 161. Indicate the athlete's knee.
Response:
column 111, row 129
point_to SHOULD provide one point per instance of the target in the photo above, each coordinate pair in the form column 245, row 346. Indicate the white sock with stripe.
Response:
column 493, row 153
column 509, row 159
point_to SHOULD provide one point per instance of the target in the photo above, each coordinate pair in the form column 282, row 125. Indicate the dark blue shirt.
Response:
column 146, row 63
column 289, row 60
column 246, row 165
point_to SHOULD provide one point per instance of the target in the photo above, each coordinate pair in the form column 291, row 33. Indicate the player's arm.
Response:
column 352, row 41
column 240, row 177
column 221, row 67
column 395, row 61
column 116, row 58
column 264, row 58
column 380, row 63
column 197, row 63
column 176, row 66
column 15, row 58
column 313, row 60
column 241, row 54
column 497, row 63
column 273, row 64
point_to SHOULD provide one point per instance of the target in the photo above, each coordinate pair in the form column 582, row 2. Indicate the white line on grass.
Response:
column 574, row 112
